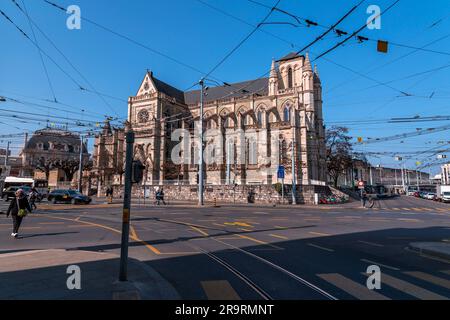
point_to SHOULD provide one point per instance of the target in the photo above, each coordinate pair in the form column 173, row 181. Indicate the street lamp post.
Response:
column 294, row 178
column 200, row 168
column 80, row 165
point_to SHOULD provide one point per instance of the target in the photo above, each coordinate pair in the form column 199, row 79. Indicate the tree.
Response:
column 45, row 165
column 339, row 152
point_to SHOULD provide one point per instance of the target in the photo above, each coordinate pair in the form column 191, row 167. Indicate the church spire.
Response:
column 307, row 64
column 273, row 70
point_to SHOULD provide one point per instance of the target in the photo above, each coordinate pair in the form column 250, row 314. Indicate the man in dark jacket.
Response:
column 18, row 204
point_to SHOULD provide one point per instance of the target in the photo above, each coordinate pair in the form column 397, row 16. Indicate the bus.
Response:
column 39, row 184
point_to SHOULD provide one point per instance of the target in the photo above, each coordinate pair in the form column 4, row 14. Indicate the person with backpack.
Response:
column 18, row 209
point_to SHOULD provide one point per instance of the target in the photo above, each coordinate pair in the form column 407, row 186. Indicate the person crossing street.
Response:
column 18, row 210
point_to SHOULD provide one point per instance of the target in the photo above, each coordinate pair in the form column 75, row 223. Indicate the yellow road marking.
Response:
column 351, row 287
column 319, row 233
column 148, row 246
column 238, row 224
column 410, row 288
column 406, row 209
column 430, row 278
column 395, row 209
column 278, row 236
column 279, row 227
column 219, row 290
column 246, row 230
column 427, row 209
column 379, row 220
column 319, row 247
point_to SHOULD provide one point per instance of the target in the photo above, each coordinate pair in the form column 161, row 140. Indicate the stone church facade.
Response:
column 251, row 127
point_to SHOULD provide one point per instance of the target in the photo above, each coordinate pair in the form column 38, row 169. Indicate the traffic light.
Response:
column 137, row 171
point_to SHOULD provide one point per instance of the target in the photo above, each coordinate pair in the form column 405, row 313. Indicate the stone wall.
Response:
column 262, row 194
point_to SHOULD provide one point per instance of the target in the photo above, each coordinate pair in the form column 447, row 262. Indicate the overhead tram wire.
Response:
column 305, row 47
column 242, row 41
column 25, row 11
column 32, row 22
column 357, row 31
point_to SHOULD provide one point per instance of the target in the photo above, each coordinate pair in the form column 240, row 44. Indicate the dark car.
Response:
column 68, row 196
column 9, row 193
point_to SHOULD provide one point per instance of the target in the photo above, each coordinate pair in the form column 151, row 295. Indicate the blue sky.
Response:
column 199, row 36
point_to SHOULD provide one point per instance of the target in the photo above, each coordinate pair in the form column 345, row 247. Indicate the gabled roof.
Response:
column 258, row 86
column 290, row 56
column 168, row 90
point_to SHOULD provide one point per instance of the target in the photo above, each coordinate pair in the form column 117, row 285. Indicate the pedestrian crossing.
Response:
column 414, row 210
column 392, row 287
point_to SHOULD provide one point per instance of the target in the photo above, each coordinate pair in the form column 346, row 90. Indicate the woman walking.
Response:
column 18, row 209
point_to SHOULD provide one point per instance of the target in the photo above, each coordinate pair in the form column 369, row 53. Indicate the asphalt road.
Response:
column 257, row 252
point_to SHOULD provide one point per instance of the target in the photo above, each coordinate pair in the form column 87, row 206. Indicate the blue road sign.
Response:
column 280, row 172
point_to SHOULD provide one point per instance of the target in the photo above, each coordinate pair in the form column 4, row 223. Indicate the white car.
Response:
column 446, row 197
column 430, row 196
column 411, row 193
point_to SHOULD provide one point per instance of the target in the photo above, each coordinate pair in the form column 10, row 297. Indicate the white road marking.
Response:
column 319, row 247
column 380, row 264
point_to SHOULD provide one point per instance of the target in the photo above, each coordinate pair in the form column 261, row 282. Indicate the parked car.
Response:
column 445, row 196
column 9, row 193
column 430, row 196
column 68, row 196
column 411, row 193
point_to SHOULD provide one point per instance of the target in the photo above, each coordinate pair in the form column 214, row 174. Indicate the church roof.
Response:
column 233, row 90
column 167, row 89
column 290, row 56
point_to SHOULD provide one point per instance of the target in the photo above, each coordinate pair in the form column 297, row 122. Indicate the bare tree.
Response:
column 339, row 152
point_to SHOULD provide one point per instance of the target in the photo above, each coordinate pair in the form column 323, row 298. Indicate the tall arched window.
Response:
column 287, row 114
column 259, row 117
column 290, row 79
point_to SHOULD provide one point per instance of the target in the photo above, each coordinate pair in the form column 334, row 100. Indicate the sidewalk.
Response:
column 435, row 249
column 42, row 275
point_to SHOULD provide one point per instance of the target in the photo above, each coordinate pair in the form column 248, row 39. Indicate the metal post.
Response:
column 282, row 190
column 417, row 180
column 126, row 204
column 7, row 154
column 80, row 166
column 294, row 182
column 200, row 167
column 370, row 172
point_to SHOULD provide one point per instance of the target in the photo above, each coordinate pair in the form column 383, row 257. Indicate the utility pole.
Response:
column 200, row 167
column 417, row 180
column 370, row 173
column 7, row 153
column 294, row 143
column 126, row 202
column 80, row 166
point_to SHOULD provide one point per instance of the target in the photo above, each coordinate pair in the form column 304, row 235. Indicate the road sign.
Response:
column 382, row 46
column 360, row 139
column 361, row 184
column 280, row 172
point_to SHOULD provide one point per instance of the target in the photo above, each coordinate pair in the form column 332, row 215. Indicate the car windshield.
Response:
column 446, row 193
column 73, row 192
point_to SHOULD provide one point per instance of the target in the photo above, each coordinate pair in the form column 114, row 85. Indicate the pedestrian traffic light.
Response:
column 137, row 171
column 382, row 46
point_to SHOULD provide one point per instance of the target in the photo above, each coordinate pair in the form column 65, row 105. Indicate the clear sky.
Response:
column 199, row 36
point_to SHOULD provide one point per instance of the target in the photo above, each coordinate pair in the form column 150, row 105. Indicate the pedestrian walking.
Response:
column 109, row 194
column 32, row 197
column 157, row 196
column 161, row 195
column 18, row 209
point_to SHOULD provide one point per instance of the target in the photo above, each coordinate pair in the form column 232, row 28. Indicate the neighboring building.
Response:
column 378, row 175
column 285, row 109
column 46, row 150
column 108, row 156
column 445, row 175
